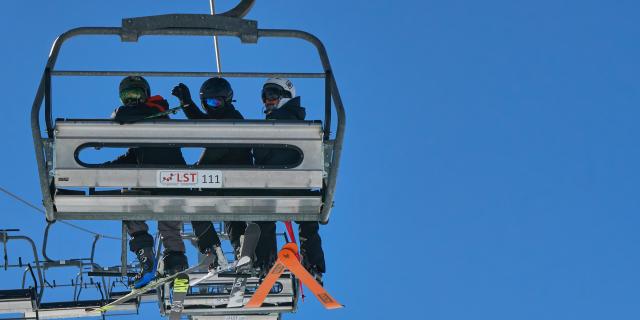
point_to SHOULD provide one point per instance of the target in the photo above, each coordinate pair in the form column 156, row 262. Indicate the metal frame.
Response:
column 40, row 309
column 32, row 306
column 226, row 24
column 39, row 285
column 211, row 304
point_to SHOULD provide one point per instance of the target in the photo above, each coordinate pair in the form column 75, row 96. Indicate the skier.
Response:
column 138, row 104
column 216, row 98
column 281, row 103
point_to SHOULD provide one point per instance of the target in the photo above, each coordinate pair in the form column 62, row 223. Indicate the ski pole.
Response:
column 292, row 235
column 164, row 113
column 157, row 115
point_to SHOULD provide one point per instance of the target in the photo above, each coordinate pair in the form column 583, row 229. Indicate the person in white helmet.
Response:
column 281, row 103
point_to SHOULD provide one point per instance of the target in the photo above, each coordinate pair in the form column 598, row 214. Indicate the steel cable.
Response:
column 215, row 39
column 33, row 206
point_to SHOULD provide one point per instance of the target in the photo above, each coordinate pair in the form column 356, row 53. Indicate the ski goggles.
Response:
column 214, row 102
column 133, row 95
column 272, row 93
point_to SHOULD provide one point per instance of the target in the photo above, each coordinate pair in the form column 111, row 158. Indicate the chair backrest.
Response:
column 188, row 191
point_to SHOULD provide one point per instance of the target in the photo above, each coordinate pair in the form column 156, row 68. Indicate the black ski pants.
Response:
column 267, row 248
column 206, row 235
column 169, row 235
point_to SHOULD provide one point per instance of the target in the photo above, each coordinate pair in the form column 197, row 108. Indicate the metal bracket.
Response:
column 48, row 153
column 240, row 10
column 3, row 235
column 133, row 28
column 328, row 156
column 123, row 250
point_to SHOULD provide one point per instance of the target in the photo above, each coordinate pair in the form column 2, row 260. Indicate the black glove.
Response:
column 181, row 91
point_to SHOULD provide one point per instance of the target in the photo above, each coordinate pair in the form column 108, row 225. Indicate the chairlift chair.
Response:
column 211, row 297
column 73, row 189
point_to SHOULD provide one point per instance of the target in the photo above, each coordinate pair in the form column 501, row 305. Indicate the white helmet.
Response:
column 286, row 84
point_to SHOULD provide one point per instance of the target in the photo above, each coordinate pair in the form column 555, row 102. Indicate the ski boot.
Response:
column 314, row 270
column 148, row 266
column 317, row 275
column 217, row 255
column 263, row 268
column 174, row 262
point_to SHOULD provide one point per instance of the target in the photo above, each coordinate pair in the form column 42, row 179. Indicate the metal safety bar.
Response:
column 5, row 238
column 188, row 74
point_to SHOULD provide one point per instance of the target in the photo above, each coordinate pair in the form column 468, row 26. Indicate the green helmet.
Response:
column 134, row 90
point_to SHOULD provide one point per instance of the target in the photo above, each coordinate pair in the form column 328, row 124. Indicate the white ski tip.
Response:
column 243, row 261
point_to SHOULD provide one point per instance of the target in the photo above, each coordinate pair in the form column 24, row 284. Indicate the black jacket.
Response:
column 279, row 156
column 220, row 156
column 146, row 155
column 289, row 111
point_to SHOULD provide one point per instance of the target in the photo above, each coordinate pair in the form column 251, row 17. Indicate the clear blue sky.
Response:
column 491, row 162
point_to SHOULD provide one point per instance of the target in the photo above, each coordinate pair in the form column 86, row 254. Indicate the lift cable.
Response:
column 33, row 206
column 215, row 39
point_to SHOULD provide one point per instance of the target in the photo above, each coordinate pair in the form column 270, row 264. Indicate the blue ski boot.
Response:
column 148, row 267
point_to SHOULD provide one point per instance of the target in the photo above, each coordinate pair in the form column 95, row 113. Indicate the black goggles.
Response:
column 272, row 93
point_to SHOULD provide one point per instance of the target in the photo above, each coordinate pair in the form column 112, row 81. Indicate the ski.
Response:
column 179, row 293
column 242, row 262
column 251, row 237
column 150, row 286
column 182, row 283
column 287, row 260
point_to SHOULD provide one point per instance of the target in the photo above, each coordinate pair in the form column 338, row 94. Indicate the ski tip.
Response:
column 252, row 228
column 243, row 261
column 101, row 309
column 181, row 284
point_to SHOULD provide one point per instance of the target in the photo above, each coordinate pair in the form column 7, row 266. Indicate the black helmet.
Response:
column 134, row 89
column 131, row 82
column 216, row 88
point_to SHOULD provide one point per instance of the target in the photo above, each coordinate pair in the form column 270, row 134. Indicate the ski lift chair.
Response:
column 76, row 309
column 271, row 316
column 18, row 301
column 72, row 189
column 210, row 298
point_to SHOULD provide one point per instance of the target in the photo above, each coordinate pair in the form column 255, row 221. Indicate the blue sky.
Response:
column 490, row 167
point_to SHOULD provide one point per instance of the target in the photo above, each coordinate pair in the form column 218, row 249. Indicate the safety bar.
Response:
column 6, row 238
column 188, row 74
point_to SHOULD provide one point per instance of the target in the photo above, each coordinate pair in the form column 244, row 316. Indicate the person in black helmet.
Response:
column 138, row 104
column 281, row 103
column 216, row 98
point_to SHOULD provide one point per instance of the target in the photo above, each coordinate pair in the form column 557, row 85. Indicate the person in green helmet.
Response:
column 138, row 104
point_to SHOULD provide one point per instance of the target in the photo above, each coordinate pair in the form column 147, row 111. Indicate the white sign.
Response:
column 189, row 179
